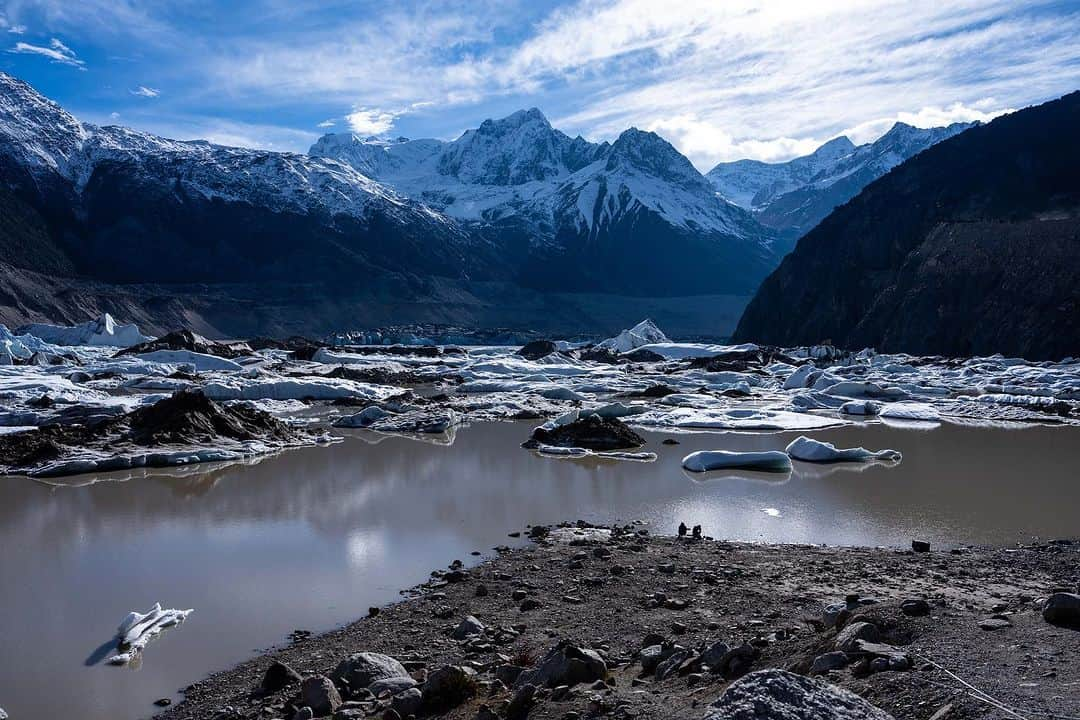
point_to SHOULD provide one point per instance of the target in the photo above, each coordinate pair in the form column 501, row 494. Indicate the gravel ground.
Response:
column 599, row 589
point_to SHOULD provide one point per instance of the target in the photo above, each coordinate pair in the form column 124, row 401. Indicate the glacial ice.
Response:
column 138, row 629
column 764, row 460
column 644, row 333
column 103, row 331
column 199, row 362
column 818, row 451
column 578, row 452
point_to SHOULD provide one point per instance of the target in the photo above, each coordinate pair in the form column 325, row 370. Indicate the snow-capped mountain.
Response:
column 549, row 197
column 794, row 196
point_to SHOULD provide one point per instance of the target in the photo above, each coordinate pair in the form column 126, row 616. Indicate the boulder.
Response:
column 467, row 628
column 521, row 703
column 361, row 669
column 407, row 702
column 565, row 664
column 393, row 685
column 591, row 432
column 537, row 349
column 853, row 632
column 781, row 695
column 449, row 686
column 318, row 693
column 714, row 654
column 829, row 661
column 278, row 676
column 1062, row 608
column 671, row 665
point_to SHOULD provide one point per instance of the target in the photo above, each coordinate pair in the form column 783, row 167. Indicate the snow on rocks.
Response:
column 138, row 629
column 765, row 461
column 102, row 331
column 810, row 450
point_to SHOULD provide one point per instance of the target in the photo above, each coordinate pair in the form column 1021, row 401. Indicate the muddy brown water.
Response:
column 311, row 538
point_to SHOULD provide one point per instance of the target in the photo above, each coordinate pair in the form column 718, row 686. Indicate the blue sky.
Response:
column 721, row 79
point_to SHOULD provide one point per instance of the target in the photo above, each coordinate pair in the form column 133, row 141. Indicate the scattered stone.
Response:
column 781, row 695
column 920, row 546
column 829, row 661
column 530, row 604
column 407, row 702
column 318, row 693
column 521, row 703
column 449, row 686
column 1063, row 609
column 362, row 669
column 469, row 627
column 160, row 702
column 565, row 664
column 853, row 632
column 994, row 623
column 277, row 677
column 915, row 607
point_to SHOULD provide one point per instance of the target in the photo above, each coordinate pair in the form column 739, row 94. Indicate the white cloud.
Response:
column 57, row 52
column 146, row 92
column 371, row 121
column 709, row 144
column 114, row 116
column 327, row 124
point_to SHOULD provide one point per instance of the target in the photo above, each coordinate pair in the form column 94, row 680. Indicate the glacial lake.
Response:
column 311, row 538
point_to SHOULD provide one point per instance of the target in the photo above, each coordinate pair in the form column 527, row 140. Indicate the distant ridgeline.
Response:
column 514, row 224
column 971, row 247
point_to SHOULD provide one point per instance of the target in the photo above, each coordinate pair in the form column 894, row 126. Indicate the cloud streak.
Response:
column 56, row 51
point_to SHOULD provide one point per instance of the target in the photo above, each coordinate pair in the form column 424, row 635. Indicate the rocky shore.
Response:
column 614, row 622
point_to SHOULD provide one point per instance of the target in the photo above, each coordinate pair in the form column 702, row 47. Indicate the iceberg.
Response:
column 810, row 450
column 138, row 629
column 764, row 460
column 644, row 333
column 103, row 331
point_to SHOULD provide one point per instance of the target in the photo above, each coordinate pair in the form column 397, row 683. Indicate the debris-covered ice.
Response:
column 73, row 395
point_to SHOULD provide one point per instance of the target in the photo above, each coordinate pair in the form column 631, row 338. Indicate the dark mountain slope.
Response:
column 971, row 247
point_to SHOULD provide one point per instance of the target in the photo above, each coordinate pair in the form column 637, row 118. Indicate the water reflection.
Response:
column 313, row 537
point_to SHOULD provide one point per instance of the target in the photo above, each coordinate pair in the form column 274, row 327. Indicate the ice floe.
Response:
column 102, row 331
column 644, row 333
column 763, row 460
column 138, row 629
column 818, row 451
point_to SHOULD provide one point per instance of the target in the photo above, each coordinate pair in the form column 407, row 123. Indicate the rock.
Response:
column 361, row 669
column 652, row 656
column 484, row 712
column 737, row 661
column 468, row 627
column 829, row 661
column 1062, row 608
column 303, row 713
column 521, row 703
column 449, row 686
column 915, row 607
column 481, row 590
column 392, row 685
column 781, row 695
column 994, row 624
column 530, row 604
column 565, row 664
column 714, row 654
column 852, row 632
column 920, row 546
column 508, row 674
column 318, row 693
column 591, row 432
column 669, row 666
column 277, row 677
column 407, row 702
column 537, row 349
column 160, row 702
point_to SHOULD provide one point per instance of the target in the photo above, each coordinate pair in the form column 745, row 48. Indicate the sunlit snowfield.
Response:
column 312, row 537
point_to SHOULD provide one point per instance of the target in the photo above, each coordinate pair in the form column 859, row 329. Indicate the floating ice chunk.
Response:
column 810, row 450
column 736, row 419
column 857, row 389
column 771, row 512
column 860, row 407
column 611, row 410
column 199, row 361
column 681, row 351
column 422, row 422
column 765, row 460
column 801, row 378
column 644, row 333
column 362, row 419
column 561, row 393
column 909, row 411
column 579, row 452
column 138, row 629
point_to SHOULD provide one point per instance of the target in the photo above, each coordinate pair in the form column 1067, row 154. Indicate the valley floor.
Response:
column 610, row 590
